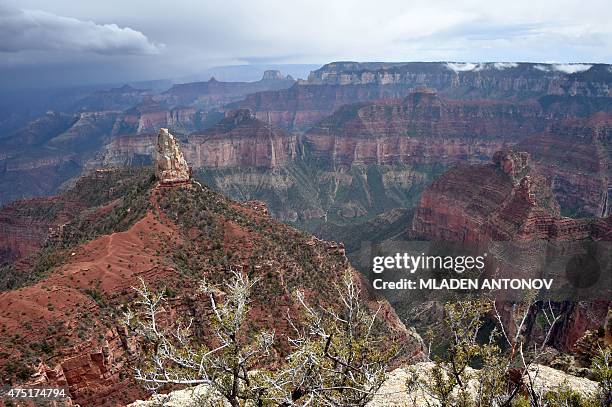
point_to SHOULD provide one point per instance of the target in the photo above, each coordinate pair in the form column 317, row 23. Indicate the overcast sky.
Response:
column 70, row 41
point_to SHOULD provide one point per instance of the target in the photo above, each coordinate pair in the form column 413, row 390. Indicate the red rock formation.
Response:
column 500, row 201
column 508, row 201
column 341, row 83
column 422, row 128
column 240, row 140
column 574, row 156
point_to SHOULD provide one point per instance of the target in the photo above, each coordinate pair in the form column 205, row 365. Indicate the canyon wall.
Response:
column 490, row 202
column 240, row 140
column 422, row 128
column 574, row 154
column 340, row 83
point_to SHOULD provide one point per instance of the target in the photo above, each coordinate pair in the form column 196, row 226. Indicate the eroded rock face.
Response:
column 240, row 140
column 507, row 201
column 170, row 166
column 574, row 156
column 237, row 141
column 423, row 128
column 340, row 83
column 515, row 164
column 503, row 201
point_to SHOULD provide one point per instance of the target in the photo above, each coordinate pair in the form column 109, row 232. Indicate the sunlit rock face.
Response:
column 170, row 166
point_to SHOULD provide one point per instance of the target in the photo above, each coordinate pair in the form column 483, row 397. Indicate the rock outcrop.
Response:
column 503, row 201
column 574, row 154
column 170, row 165
column 241, row 141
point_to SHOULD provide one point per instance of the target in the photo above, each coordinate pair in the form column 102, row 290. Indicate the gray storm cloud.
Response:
column 22, row 30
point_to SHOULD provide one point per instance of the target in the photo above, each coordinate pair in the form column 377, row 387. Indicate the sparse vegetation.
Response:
column 501, row 370
column 338, row 359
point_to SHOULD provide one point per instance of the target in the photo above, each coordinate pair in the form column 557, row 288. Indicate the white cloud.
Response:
column 572, row 68
column 200, row 34
column 471, row 66
column 504, row 65
column 22, row 30
column 462, row 66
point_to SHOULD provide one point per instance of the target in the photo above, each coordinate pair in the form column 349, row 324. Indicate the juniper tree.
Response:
column 338, row 356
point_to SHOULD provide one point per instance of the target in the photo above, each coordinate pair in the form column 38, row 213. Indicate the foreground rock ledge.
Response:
column 393, row 392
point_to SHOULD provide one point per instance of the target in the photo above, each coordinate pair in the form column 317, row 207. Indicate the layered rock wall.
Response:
column 422, row 128
column 340, row 83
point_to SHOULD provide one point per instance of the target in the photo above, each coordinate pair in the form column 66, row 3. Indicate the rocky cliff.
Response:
column 422, row 129
column 149, row 116
column 489, row 80
column 574, row 154
column 240, row 140
column 502, row 201
column 341, row 83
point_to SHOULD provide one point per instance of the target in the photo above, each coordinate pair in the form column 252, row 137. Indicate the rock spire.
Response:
column 170, row 166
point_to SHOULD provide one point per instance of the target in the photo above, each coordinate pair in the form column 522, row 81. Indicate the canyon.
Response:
column 345, row 120
column 375, row 156
column 485, row 153
column 40, row 157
